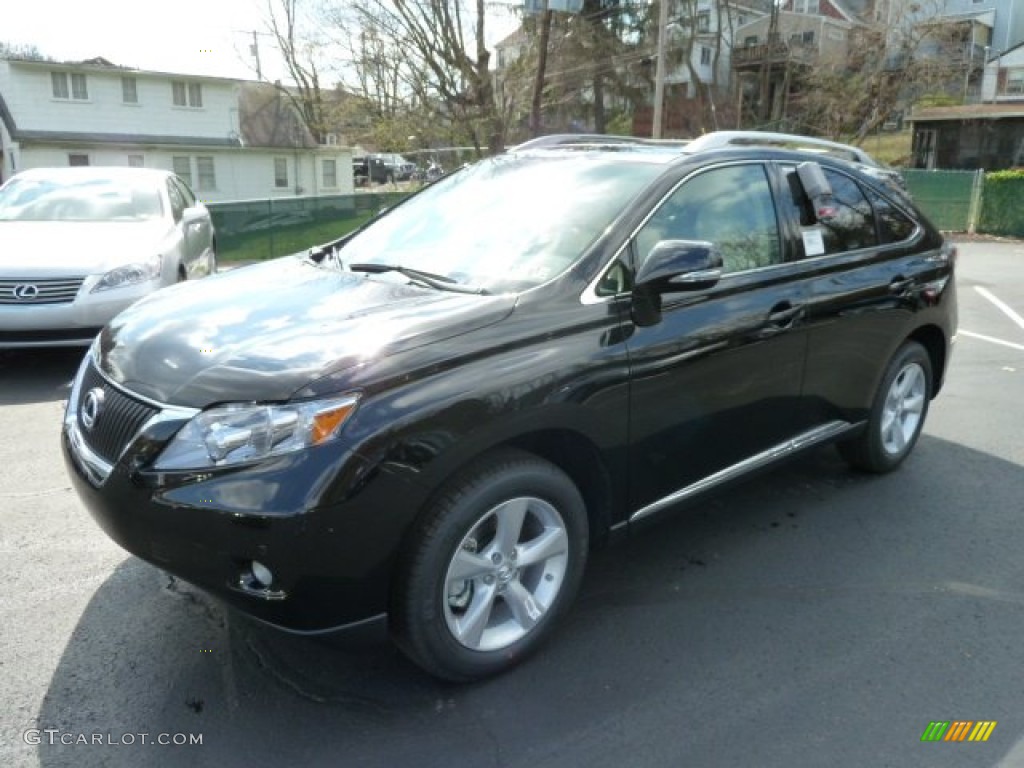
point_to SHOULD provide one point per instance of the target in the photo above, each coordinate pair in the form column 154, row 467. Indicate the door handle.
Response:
column 784, row 314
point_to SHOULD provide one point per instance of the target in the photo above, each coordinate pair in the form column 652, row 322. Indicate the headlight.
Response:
column 240, row 433
column 130, row 274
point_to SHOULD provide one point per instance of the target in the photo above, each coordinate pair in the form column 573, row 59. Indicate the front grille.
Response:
column 32, row 291
column 119, row 419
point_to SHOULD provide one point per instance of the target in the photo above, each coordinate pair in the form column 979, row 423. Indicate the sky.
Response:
column 198, row 37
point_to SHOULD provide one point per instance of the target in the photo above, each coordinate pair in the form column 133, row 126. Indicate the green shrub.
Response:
column 1002, row 205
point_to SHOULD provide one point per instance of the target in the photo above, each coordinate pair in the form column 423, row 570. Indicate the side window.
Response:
column 851, row 226
column 731, row 207
column 186, row 194
column 177, row 202
column 893, row 225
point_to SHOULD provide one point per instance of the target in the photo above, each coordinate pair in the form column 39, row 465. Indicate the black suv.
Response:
column 433, row 419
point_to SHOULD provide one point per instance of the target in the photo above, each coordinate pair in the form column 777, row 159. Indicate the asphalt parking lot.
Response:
column 812, row 617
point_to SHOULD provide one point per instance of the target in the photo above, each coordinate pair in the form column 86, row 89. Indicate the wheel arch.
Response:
column 933, row 340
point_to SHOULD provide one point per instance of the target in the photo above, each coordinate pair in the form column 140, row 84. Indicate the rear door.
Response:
column 867, row 271
column 718, row 380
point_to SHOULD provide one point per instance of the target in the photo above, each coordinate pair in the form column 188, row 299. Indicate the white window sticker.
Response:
column 814, row 245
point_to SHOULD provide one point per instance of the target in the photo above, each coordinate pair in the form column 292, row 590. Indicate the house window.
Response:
column 186, row 94
column 135, row 161
column 704, row 21
column 60, row 85
column 330, row 173
column 750, row 40
column 280, row 172
column 206, row 174
column 1014, row 81
column 182, row 168
column 78, row 87
column 129, row 90
column 705, row 56
column 78, row 158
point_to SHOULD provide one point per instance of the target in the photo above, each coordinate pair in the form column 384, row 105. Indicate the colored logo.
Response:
column 958, row 730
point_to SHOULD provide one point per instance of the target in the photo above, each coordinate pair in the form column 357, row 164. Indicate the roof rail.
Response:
column 597, row 141
column 725, row 139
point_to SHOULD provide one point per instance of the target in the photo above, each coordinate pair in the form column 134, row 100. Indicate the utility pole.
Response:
column 542, row 63
column 659, row 71
column 255, row 50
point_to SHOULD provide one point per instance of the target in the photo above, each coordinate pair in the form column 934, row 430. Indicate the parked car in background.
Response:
column 431, row 420
column 381, row 169
column 79, row 245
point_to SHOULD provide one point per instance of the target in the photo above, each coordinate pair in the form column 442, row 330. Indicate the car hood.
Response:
column 40, row 249
column 263, row 332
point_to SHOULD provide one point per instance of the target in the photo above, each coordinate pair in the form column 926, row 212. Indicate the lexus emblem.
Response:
column 91, row 406
column 25, row 291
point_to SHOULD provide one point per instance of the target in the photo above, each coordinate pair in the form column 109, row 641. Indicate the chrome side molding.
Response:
column 819, row 434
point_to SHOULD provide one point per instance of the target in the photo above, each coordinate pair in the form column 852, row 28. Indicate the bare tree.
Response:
column 300, row 52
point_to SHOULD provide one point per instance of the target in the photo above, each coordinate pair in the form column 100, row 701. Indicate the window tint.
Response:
column 853, row 225
column 186, row 192
column 177, row 202
column 731, row 207
column 893, row 225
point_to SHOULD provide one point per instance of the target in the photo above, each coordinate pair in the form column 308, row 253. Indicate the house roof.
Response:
column 100, row 64
column 967, row 112
column 268, row 119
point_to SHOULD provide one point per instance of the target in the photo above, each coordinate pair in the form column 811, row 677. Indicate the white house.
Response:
column 96, row 113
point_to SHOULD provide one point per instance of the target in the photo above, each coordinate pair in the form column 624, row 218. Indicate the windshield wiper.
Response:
column 441, row 282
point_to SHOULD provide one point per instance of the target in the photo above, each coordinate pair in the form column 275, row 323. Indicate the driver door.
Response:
column 717, row 380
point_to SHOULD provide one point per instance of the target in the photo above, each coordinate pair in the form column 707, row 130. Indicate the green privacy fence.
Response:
column 948, row 198
column 250, row 230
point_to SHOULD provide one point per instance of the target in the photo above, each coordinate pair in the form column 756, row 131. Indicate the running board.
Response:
column 820, row 434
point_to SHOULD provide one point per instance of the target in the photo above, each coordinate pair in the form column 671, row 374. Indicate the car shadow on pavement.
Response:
column 37, row 375
column 743, row 614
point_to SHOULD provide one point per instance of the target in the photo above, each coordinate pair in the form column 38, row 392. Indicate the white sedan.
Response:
column 78, row 245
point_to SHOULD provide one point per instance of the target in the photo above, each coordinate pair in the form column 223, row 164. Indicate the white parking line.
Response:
column 1001, row 305
column 991, row 339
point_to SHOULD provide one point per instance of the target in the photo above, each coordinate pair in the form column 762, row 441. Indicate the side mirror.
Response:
column 673, row 265
column 195, row 213
column 680, row 265
column 818, row 191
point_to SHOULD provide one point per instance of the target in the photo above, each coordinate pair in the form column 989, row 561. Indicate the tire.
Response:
column 465, row 606
column 182, row 274
column 897, row 415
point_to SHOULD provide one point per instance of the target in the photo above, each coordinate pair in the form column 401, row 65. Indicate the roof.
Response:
column 100, row 64
column 967, row 112
column 267, row 118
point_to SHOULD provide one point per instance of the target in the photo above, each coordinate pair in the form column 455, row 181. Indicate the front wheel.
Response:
column 489, row 568
column 897, row 415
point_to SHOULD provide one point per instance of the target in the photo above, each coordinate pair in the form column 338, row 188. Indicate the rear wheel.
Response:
column 494, row 562
column 897, row 415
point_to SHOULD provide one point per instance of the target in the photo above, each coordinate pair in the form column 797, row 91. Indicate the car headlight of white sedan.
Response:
column 131, row 274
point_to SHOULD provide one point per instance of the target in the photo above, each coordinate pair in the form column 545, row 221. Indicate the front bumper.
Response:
column 75, row 323
column 326, row 526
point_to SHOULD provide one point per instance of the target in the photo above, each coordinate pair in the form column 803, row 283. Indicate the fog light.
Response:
column 263, row 575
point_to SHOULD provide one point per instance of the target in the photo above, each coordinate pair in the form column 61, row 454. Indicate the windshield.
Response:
column 508, row 223
column 87, row 199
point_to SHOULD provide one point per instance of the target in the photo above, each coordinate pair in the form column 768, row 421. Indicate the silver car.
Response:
column 78, row 245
